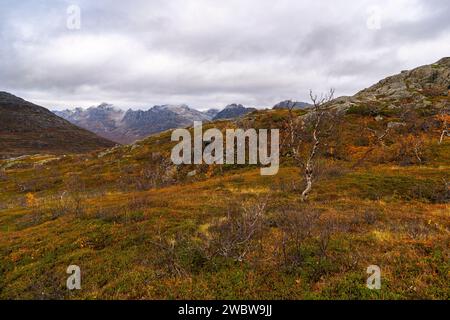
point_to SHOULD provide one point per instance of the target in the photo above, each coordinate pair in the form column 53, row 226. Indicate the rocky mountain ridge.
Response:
column 128, row 126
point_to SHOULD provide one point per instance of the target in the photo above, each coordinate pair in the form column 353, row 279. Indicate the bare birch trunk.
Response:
column 309, row 180
column 443, row 134
column 309, row 167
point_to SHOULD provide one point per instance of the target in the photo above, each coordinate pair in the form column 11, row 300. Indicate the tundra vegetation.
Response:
column 360, row 186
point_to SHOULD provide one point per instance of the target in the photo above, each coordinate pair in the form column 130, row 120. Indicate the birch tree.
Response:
column 305, row 135
column 444, row 118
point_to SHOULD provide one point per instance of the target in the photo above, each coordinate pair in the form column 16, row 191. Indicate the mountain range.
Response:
column 27, row 128
column 128, row 126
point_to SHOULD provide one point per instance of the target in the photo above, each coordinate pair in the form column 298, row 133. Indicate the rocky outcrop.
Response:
column 289, row 104
column 421, row 87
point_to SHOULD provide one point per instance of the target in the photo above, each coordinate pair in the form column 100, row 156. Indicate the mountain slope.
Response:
column 138, row 124
column 26, row 128
column 212, row 112
column 233, row 111
column 422, row 87
column 101, row 120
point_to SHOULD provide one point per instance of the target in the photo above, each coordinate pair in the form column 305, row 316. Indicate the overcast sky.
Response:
column 138, row 53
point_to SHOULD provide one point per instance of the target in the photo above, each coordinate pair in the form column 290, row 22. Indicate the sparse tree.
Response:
column 305, row 136
column 418, row 149
column 73, row 197
column 296, row 225
column 444, row 119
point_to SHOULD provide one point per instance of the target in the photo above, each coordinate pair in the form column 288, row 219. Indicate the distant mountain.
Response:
column 288, row 104
column 128, row 126
column 100, row 120
column 26, row 128
column 137, row 124
column 185, row 112
column 233, row 111
column 211, row 113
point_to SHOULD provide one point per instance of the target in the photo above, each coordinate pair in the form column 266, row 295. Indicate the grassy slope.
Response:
column 115, row 240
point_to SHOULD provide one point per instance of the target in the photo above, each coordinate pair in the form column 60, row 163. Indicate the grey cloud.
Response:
column 209, row 53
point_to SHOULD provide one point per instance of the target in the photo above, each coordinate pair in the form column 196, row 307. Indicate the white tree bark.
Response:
column 295, row 140
column 444, row 133
column 309, row 167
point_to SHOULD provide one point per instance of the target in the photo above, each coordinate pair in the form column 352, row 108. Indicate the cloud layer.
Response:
column 208, row 53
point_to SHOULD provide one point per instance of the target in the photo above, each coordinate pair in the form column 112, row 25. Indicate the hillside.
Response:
column 26, row 128
column 425, row 87
column 140, row 227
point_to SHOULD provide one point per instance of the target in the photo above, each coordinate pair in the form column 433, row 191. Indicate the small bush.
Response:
column 3, row 176
column 156, row 174
column 370, row 217
column 330, row 170
column 296, row 226
column 407, row 150
column 178, row 255
column 234, row 236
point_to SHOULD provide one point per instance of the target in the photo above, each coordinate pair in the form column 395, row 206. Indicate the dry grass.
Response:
column 167, row 239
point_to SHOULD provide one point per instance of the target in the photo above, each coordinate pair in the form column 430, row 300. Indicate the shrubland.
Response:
column 142, row 228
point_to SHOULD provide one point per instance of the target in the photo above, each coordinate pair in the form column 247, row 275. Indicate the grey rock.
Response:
column 289, row 104
column 393, row 125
